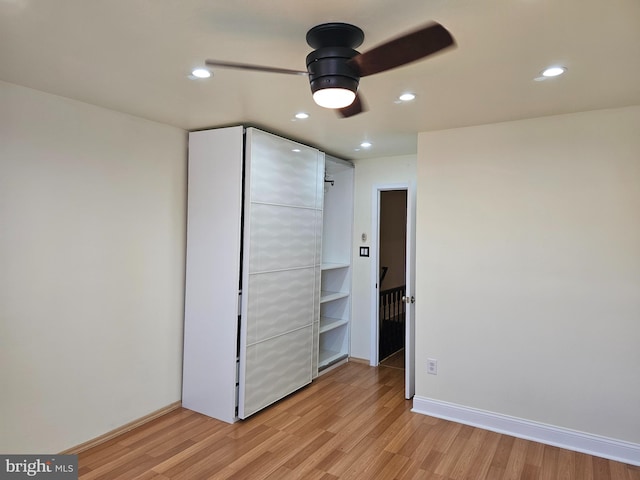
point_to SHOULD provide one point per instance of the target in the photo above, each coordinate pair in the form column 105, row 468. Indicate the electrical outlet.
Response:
column 432, row 366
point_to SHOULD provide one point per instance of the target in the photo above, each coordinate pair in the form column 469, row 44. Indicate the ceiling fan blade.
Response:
column 355, row 108
column 248, row 66
column 402, row 50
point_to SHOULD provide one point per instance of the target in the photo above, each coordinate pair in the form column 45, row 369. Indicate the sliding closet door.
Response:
column 281, row 269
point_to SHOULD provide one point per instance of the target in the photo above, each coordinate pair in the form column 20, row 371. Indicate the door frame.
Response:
column 410, row 188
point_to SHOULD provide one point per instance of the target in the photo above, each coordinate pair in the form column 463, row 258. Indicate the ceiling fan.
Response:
column 334, row 67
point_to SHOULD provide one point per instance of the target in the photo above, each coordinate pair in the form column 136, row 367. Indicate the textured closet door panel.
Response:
column 282, row 251
column 278, row 172
column 274, row 369
column 279, row 303
column 282, row 237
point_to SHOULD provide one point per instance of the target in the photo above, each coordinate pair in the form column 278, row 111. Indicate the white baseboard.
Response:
column 599, row 446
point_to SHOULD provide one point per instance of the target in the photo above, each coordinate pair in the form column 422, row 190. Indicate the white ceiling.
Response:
column 134, row 56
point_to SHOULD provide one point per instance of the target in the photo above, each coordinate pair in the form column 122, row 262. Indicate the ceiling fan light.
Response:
column 201, row 73
column 334, row 97
column 407, row 97
column 553, row 71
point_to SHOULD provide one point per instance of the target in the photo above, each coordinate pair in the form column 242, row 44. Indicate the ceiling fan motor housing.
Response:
column 328, row 68
column 334, row 45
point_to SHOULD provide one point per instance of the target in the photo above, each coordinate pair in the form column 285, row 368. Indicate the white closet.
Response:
column 335, row 300
column 252, row 303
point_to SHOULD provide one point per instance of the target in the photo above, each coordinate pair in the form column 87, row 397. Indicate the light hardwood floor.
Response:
column 352, row 423
column 395, row 360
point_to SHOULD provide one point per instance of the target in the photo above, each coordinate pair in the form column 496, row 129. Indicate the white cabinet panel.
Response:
column 213, row 272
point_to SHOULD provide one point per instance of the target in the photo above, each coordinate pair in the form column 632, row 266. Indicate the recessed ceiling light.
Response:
column 302, row 115
column 553, row 71
column 365, row 144
column 407, row 97
column 201, row 73
column 296, row 150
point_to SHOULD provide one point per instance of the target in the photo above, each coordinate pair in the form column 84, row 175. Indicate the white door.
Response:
column 410, row 282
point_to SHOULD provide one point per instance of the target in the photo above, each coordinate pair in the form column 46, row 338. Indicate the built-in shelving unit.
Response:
column 335, row 297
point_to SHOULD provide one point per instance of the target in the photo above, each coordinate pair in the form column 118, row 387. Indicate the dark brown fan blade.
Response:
column 355, row 108
column 400, row 51
column 248, row 66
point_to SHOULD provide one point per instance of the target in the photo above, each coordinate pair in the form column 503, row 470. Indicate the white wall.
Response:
column 528, row 269
column 393, row 237
column 92, row 240
column 379, row 171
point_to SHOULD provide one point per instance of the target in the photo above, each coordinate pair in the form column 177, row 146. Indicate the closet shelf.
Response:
column 327, row 324
column 330, row 296
column 334, row 266
column 327, row 357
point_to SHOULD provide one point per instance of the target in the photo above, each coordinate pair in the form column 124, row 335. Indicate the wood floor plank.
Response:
column 150, row 475
column 567, row 465
column 371, row 460
column 310, row 449
column 410, row 469
column 618, row 470
column 550, row 462
column 387, row 425
column 530, row 472
column 97, row 457
column 479, row 469
column 403, row 434
column 601, row 469
column 501, row 455
column 351, row 423
column 468, row 454
column 633, row 472
column 516, row 461
column 452, row 447
column 535, row 452
column 426, row 450
column 391, row 469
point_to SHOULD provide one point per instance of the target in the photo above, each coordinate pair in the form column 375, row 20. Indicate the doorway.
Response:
column 391, row 279
column 406, row 300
